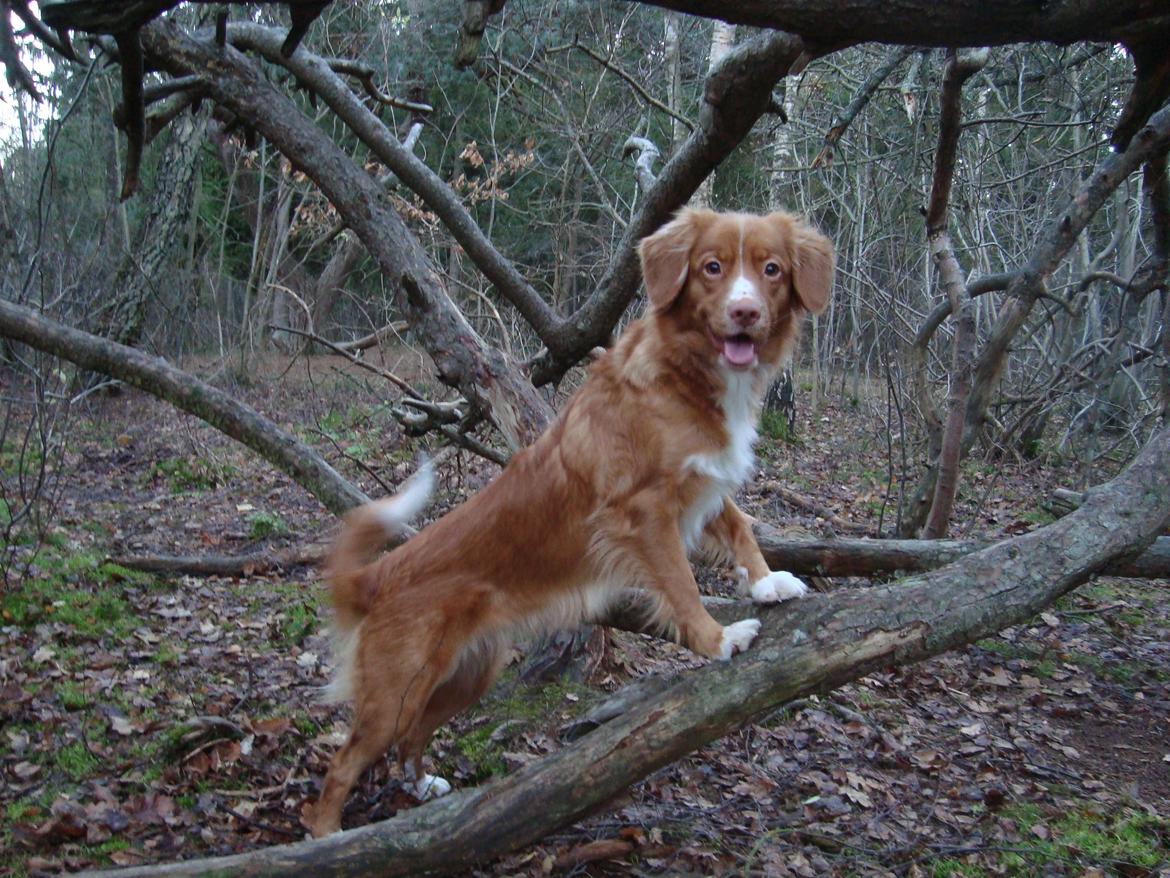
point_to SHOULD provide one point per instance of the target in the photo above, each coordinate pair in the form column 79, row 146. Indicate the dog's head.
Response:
column 737, row 280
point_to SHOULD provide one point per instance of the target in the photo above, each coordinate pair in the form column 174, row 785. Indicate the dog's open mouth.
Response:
column 739, row 350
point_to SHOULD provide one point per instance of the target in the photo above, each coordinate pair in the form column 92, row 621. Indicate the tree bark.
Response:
column 672, row 57
column 835, row 557
column 722, row 39
column 847, row 556
column 944, row 23
column 223, row 565
column 159, row 378
column 134, row 284
column 809, row 646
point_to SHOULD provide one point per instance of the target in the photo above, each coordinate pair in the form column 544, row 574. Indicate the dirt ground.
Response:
column 147, row 718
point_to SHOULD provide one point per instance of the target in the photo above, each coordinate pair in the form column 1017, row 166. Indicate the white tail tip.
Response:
column 402, row 508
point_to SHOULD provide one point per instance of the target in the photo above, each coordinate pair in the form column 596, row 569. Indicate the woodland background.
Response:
column 417, row 248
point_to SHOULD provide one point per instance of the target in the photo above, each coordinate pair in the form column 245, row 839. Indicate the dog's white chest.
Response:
column 723, row 471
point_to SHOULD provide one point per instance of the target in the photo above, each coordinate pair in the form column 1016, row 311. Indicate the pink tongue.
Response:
column 739, row 352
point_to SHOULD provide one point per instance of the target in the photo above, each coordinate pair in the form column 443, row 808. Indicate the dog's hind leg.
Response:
column 477, row 668
column 389, row 704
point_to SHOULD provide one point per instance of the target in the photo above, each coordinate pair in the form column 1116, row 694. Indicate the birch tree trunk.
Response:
column 143, row 269
column 722, row 40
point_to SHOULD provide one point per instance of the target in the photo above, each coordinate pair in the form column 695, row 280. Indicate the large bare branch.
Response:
column 317, row 74
column 17, row 74
column 647, row 154
column 486, row 376
column 813, row 645
column 1151, row 88
column 947, row 23
column 841, row 556
column 104, row 17
column 158, row 377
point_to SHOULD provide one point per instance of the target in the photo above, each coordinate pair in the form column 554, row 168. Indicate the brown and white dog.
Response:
column 638, row 470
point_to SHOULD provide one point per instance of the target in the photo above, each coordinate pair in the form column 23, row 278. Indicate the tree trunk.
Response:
column 722, row 41
column 844, row 556
column 835, row 557
column 672, row 55
column 959, row 68
column 809, row 646
column 137, row 279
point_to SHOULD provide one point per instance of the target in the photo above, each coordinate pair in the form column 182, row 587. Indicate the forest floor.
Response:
column 148, row 719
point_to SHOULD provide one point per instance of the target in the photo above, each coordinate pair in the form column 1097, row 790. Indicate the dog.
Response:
column 637, row 471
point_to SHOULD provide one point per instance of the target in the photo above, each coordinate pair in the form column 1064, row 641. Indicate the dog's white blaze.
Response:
column 728, row 469
column 743, row 289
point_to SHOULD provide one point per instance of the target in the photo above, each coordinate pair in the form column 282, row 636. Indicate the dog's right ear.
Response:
column 666, row 258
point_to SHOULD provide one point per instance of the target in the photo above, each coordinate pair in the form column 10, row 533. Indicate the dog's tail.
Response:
column 352, row 586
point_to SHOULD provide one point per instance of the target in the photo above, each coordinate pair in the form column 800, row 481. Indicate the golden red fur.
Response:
column 638, row 469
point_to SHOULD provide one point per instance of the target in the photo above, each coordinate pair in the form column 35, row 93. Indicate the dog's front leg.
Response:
column 730, row 534
column 658, row 547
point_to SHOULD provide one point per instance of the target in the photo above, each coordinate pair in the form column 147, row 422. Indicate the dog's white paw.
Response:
column 737, row 637
column 778, row 586
column 430, row 786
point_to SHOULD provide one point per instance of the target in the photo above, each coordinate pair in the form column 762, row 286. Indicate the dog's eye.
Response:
column 712, row 268
column 771, row 269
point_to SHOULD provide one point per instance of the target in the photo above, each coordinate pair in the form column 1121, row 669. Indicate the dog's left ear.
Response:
column 811, row 256
column 812, row 267
column 666, row 257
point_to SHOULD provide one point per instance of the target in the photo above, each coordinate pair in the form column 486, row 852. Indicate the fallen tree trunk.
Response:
column 813, row 645
column 159, row 378
column 860, row 557
column 836, row 557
